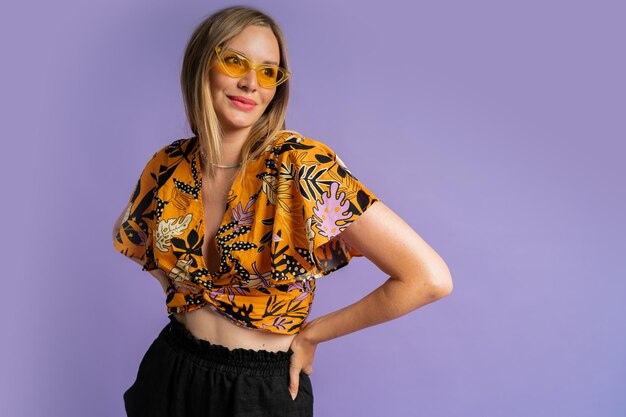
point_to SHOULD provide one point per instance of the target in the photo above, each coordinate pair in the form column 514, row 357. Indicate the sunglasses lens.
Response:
column 268, row 76
column 234, row 64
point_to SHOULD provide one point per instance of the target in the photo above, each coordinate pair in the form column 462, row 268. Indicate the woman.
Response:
column 238, row 222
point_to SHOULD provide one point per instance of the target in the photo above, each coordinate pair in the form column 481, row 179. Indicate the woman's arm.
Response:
column 418, row 276
column 157, row 273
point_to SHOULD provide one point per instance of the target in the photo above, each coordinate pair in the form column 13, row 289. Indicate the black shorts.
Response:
column 181, row 375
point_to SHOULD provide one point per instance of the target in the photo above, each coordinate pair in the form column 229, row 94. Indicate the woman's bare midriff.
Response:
column 206, row 324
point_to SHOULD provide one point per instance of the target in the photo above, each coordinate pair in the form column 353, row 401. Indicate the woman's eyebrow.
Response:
column 265, row 62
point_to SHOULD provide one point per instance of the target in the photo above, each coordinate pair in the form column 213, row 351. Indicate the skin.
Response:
column 417, row 274
column 259, row 44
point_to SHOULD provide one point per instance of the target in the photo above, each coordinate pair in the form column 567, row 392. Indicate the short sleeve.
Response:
column 332, row 198
column 135, row 235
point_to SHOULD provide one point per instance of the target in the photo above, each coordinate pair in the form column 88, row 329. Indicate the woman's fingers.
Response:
column 301, row 361
column 294, row 380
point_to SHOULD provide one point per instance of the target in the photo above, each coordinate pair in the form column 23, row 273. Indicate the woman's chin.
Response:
column 233, row 127
column 237, row 123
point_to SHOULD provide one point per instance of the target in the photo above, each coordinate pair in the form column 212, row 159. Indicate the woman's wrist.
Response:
column 308, row 332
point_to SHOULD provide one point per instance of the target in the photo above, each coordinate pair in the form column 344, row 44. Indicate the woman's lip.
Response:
column 241, row 105
column 242, row 99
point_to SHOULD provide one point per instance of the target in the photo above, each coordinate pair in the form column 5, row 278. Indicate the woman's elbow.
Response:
column 443, row 287
column 439, row 282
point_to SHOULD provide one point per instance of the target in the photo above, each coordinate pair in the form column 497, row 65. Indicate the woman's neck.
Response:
column 232, row 146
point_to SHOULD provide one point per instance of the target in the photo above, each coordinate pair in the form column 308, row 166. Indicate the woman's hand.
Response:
column 301, row 359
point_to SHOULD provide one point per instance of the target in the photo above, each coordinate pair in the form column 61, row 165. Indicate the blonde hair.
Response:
column 217, row 29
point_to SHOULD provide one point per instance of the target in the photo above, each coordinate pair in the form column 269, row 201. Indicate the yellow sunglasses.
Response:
column 236, row 65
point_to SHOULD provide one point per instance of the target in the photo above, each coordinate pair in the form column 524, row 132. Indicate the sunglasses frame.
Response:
column 219, row 50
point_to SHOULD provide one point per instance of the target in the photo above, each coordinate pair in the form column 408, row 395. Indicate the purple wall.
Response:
column 495, row 130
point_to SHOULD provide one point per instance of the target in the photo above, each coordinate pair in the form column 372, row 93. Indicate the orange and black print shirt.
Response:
column 278, row 234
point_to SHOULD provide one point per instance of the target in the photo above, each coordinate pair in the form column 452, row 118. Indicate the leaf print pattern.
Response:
column 243, row 216
column 331, row 210
column 276, row 194
column 169, row 228
column 311, row 181
column 281, row 231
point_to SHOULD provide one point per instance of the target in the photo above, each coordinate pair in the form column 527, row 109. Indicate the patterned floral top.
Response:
column 279, row 232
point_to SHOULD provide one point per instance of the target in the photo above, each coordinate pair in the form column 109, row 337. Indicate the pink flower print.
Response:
column 231, row 291
column 186, row 288
column 243, row 216
column 303, row 286
column 331, row 209
column 280, row 322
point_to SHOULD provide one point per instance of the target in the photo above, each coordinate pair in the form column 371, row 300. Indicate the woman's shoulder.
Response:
column 296, row 142
column 177, row 148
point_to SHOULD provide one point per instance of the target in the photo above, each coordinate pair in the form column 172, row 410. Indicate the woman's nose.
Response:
column 249, row 80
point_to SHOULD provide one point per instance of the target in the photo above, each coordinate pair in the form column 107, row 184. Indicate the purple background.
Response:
column 495, row 129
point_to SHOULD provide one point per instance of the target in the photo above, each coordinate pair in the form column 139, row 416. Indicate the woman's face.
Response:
column 259, row 44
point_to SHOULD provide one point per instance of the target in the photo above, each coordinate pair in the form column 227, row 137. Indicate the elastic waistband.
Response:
column 210, row 355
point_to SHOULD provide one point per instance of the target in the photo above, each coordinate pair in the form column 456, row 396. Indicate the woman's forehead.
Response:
column 257, row 43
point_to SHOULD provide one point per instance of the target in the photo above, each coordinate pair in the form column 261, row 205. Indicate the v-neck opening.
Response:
column 223, row 221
